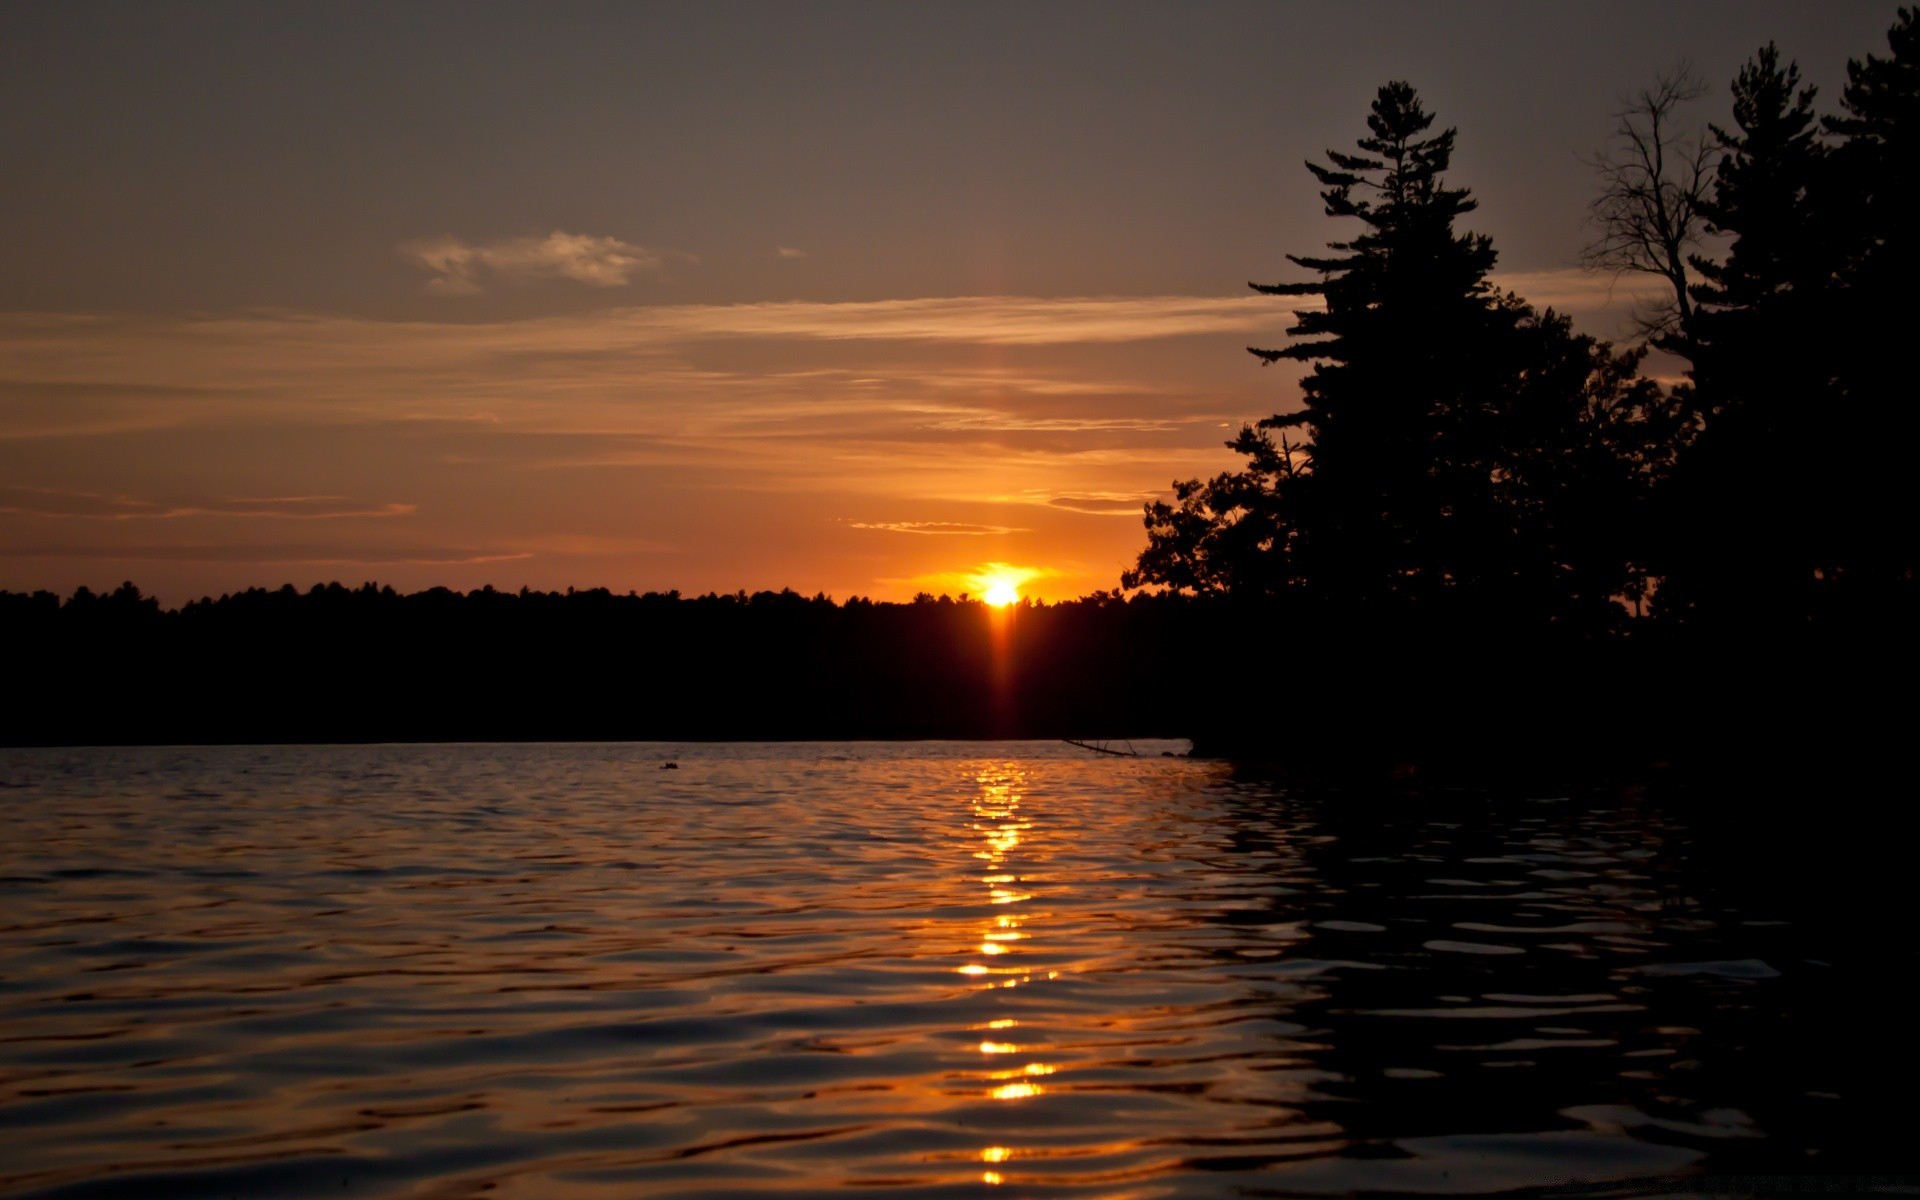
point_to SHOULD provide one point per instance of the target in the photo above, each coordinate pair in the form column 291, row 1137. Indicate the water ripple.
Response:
column 919, row 970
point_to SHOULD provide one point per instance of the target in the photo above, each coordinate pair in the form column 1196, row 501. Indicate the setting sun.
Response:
column 999, row 583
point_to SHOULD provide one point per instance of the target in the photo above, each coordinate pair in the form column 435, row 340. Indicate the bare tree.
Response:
column 1654, row 178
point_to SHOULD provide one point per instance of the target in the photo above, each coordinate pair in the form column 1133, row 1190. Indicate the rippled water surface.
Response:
column 937, row 969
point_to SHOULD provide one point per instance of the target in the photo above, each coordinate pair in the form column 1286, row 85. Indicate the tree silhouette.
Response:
column 1796, row 501
column 1654, row 182
column 1745, row 515
column 1453, row 445
column 1876, row 190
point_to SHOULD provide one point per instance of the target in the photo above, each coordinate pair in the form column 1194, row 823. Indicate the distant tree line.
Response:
column 333, row 663
column 369, row 663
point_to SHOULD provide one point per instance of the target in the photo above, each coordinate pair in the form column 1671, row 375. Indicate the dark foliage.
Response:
column 1796, row 503
column 367, row 663
column 1457, row 451
column 370, row 664
column 1746, row 544
column 1468, row 490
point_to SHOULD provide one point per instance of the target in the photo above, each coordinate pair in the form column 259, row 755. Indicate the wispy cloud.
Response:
column 95, row 506
column 586, row 545
column 275, row 554
column 980, row 419
column 790, row 252
column 1104, row 504
column 1579, row 291
column 988, row 320
column 684, row 446
column 460, row 266
column 937, row 528
column 906, row 364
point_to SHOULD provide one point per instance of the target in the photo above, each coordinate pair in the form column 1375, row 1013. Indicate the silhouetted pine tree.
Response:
column 1765, row 189
column 1876, row 170
column 1748, row 506
column 1878, row 161
column 1455, row 450
column 1797, row 501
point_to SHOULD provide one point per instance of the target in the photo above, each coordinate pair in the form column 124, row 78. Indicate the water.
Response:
column 934, row 969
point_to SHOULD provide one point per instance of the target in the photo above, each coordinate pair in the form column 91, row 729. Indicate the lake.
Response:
column 890, row 970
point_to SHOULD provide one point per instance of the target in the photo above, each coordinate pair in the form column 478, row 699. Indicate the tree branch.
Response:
column 1653, row 182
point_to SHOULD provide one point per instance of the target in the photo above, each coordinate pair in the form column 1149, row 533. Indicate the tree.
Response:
column 1794, row 503
column 1876, row 194
column 1451, row 441
column 1764, row 195
column 1878, row 162
column 1654, row 178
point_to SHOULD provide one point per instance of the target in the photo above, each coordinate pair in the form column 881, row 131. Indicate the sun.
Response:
column 998, row 584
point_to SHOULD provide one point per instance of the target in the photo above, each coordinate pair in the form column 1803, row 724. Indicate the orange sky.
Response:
column 845, row 298
column 877, row 448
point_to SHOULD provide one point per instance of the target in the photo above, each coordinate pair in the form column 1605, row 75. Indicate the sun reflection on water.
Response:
column 1003, row 829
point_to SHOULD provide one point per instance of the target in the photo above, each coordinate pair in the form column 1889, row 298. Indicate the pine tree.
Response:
column 1796, row 502
column 1879, row 159
column 1876, row 553
column 1765, row 191
column 1403, row 300
column 1744, row 515
column 1428, row 468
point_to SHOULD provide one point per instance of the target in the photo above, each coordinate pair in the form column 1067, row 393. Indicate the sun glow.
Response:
column 999, row 583
column 1001, row 593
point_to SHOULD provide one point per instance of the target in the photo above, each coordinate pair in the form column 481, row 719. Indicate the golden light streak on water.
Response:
column 552, row 971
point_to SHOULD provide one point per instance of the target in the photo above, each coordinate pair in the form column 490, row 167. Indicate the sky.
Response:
column 866, row 299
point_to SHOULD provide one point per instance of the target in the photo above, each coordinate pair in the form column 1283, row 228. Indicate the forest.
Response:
column 1478, row 534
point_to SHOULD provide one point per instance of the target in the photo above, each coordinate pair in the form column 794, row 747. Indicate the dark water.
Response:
column 931, row 969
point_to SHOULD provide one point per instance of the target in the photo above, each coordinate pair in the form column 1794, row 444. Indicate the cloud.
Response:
column 986, row 320
column 687, row 375
column 262, row 553
column 937, row 528
column 790, row 252
column 682, row 445
column 95, row 506
column 1103, row 504
column 586, row 545
column 982, row 420
column 459, row 265
column 1579, row 291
